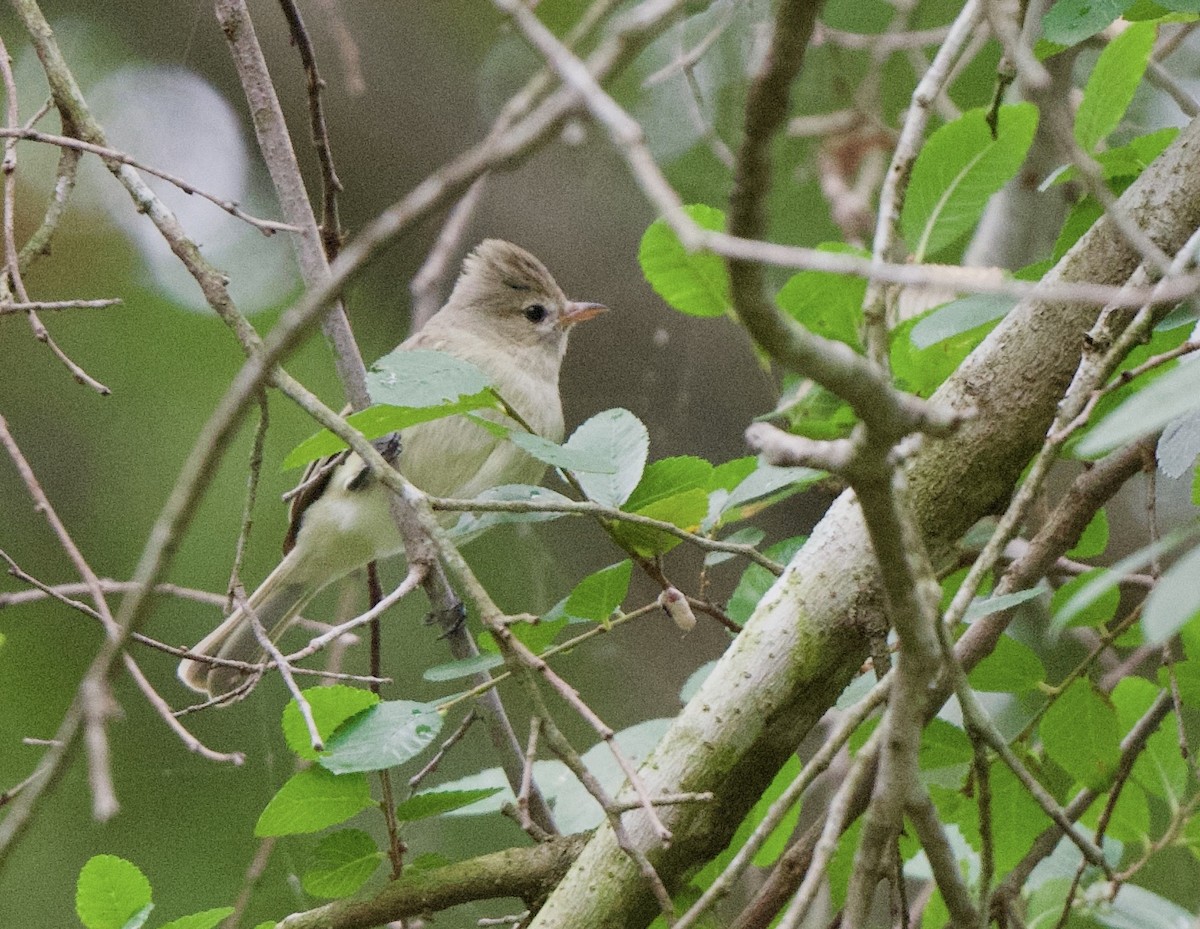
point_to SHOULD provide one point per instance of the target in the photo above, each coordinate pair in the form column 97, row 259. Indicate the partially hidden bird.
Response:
column 508, row 317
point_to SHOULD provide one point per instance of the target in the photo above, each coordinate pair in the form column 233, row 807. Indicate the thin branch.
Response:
column 285, row 671
column 891, row 197
column 276, row 146
column 597, row 630
column 589, row 508
column 942, row 860
column 424, row 287
column 38, row 244
column 266, row 226
column 9, row 306
column 412, row 580
column 11, row 258
column 254, row 469
column 331, row 186
column 1041, row 847
column 444, row 749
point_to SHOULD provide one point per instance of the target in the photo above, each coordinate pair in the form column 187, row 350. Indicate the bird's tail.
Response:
column 276, row 603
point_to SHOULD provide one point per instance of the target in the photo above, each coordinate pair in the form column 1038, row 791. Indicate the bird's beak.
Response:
column 578, row 312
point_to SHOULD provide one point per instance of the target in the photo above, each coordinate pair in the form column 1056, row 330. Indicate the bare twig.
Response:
column 424, row 287
column 588, row 508
column 266, row 226
column 455, row 737
column 891, row 198
column 12, row 260
column 276, row 146
column 7, row 307
column 331, row 186
column 254, row 469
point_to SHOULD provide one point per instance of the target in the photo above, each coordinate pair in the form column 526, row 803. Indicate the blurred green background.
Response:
column 433, row 76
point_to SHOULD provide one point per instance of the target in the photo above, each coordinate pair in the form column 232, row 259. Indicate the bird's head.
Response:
column 507, row 290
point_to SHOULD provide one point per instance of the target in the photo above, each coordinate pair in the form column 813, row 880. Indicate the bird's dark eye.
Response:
column 535, row 313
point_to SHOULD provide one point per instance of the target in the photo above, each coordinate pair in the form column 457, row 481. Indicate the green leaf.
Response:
column 1082, row 216
column 207, row 919
column 421, row 377
column 619, row 439
column 112, row 893
column 776, row 842
column 757, row 580
column 674, row 490
column 558, row 456
column 1101, row 583
column 1110, row 88
column 1094, row 539
column 331, row 706
column 536, row 636
column 1012, row 667
column 668, row 477
column 944, row 745
column 765, row 481
column 471, row 525
column 685, row 510
column 1130, row 817
column 385, row 735
column 1174, row 601
column 340, row 864
column 827, row 304
column 466, row 667
column 436, row 802
column 959, row 316
column 1160, row 768
column 1187, row 671
column 1124, row 161
column 1175, row 393
column 696, row 283
column 842, row 864
column 922, row 370
column 1069, row 22
column 958, row 170
column 728, row 475
column 747, row 535
column 380, row 420
column 597, row 596
column 1096, row 612
column 1081, row 734
column 810, row 410
column 312, row 800
column 407, row 386
column 981, row 608
column 1016, row 817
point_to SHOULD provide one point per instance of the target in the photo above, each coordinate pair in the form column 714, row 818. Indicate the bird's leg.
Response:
column 451, row 619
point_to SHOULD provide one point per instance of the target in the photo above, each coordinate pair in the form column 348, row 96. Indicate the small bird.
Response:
column 508, row 317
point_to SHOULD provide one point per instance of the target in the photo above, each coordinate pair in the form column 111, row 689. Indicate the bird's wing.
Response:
column 316, row 480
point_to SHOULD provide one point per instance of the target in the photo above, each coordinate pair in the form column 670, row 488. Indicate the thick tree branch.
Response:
column 804, row 641
column 524, row 873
